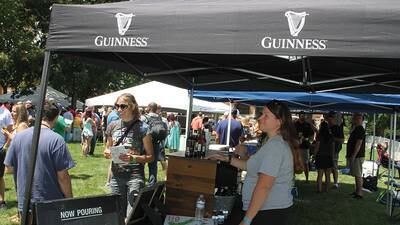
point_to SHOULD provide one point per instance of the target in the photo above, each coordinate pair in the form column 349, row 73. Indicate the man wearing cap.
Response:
column 235, row 133
column 29, row 108
column 356, row 152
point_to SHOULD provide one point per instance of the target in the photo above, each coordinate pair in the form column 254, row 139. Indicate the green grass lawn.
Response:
column 337, row 206
column 333, row 208
column 88, row 178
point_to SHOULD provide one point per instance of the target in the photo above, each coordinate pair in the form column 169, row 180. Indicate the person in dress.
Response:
column 174, row 135
column 87, row 132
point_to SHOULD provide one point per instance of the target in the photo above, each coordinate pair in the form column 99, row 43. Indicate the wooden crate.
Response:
column 187, row 178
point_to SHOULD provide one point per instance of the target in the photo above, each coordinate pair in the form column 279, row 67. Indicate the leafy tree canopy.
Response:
column 23, row 31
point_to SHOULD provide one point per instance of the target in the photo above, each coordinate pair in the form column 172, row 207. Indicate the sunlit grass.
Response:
column 333, row 208
column 88, row 178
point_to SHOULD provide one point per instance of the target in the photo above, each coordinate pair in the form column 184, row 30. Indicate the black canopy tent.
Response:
column 349, row 46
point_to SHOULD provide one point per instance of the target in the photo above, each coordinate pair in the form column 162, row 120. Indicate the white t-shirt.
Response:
column 5, row 121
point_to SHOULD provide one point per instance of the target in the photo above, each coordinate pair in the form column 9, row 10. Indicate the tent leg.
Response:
column 228, row 134
column 36, row 135
column 371, row 155
column 392, row 159
column 389, row 201
column 188, row 115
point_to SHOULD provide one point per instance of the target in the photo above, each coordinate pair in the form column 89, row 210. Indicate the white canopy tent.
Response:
column 169, row 97
column 58, row 96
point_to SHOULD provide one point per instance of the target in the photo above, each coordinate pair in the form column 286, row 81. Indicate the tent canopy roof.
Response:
column 169, row 97
column 58, row 96
column 351, row 46
column 307, row 101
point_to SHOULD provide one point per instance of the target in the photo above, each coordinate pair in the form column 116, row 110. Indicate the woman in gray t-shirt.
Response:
column 128, row 173
column 266, row 193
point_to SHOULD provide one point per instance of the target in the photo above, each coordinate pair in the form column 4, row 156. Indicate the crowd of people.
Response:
column 143, row 132
column 285, row 147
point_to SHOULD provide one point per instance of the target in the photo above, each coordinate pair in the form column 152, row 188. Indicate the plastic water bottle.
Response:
column 200, row 207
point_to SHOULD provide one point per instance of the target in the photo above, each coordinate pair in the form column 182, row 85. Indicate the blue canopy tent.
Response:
column 309, row 101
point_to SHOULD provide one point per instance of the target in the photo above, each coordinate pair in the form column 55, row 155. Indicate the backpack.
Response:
column 158, row 128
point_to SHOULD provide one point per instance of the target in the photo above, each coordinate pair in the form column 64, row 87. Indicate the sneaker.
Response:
column 335, row 186
column 3, row 205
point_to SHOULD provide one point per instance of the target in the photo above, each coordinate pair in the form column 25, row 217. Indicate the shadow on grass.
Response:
column 81, row 176
column 337, row 206
column 12, row 204
column 96, row 156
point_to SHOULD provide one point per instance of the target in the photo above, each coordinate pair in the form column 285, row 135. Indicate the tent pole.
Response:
column 189, row 114
column 228, row 134
column 304, row 66
column 373, row 138
column 390, row 171
column 350, row 78
column 36, row 135
column 392, row 151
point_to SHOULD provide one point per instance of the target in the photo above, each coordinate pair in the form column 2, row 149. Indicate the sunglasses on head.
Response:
column 121, row 106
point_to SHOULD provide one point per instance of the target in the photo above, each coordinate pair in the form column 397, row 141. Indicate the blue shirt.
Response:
column 236, row 132
column 53, row 156
column 112, row 117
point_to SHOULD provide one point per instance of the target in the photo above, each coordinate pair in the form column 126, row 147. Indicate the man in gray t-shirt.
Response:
column 51, row 179
column 273, row 159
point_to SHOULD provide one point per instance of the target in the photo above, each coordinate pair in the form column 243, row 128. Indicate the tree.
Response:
column 81, row 80
column 23, row 32
column 20, row 53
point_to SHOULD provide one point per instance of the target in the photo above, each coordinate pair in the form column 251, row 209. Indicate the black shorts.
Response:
column 2, row 166
column 272, row 217
column 263, row 217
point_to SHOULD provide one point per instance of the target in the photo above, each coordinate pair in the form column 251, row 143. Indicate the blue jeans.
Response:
column 128, row 186
column 153, row 165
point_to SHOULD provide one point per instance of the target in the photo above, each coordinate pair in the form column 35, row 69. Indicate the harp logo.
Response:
column 124, row 22
column 296, row 21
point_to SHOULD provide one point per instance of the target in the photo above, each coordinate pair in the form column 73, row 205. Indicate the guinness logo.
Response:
column 296, row 21
column 123, row 21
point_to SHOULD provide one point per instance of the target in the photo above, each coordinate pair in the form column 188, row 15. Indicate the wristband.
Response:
column 246, row 220
column 133, row 159
column 229, row 158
